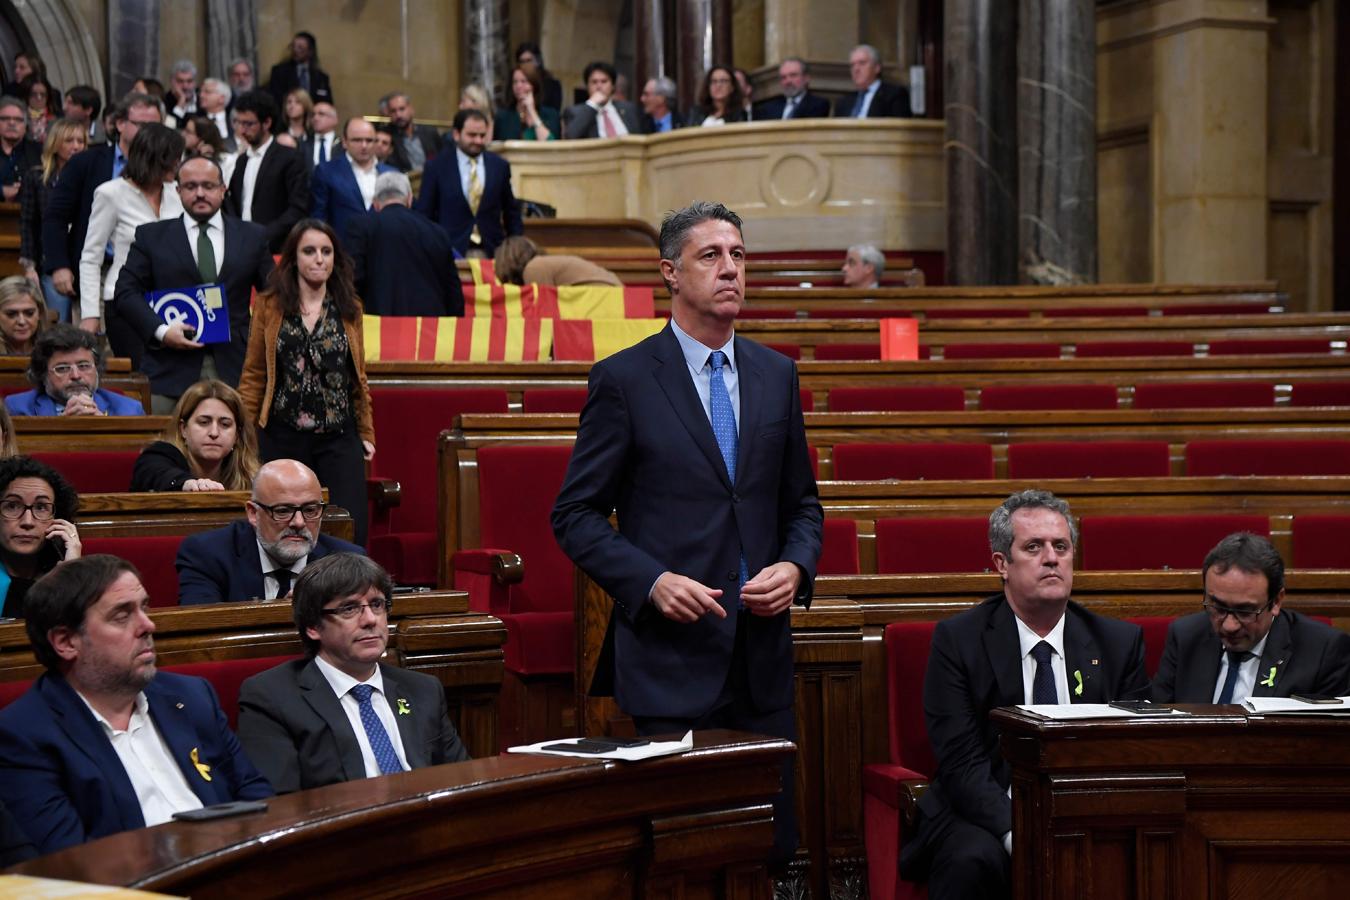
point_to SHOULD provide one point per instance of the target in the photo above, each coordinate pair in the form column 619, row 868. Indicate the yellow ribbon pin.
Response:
column 1270, row 679
column 403, row 708
column 1078, row 677
column 202, row 768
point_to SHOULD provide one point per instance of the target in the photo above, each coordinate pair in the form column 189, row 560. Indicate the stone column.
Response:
column 133, row 42
column 703, row 39
column 1057, row 141
column 231, row 33
column 486, row 37
column 649, row 27
column 979, row 81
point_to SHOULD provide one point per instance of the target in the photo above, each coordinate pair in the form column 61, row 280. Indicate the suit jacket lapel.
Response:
column 1004, row 653
column 1082, row 662
column 673, row 376
column 249, row 563
column 1202, row 667
column 750, row 379
column 318, row 693
column 168, row 711
column 1276, row 657
column 394, row 694
column 73, row 717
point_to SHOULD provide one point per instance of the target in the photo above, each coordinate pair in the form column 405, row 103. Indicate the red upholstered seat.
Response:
column 930, row 398
column 1049, row 396
column 1320, row 393
column 839, row 548
column 1269, row 345
column 988, row 312
column 791, row 351
column 956, row 544
column 11, row 691
column 911, row 462
column 152, row 555
column 93, row 471
column 1096, row 349
column 227, row 675
column 553, row 400
column 408, row 422
column 808, row 399
column 1001, row 351
column 1155, row 638
column 1089, row 459
column 516, row 490
column 1267, row 458
column 1159, row 542
column 1203, row 394
column 1321, row 542
column 1215, row 309
column 1110, row 312
column 848, row 351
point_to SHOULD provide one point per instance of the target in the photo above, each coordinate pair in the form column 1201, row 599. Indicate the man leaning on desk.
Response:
column 1029, row 644
column 1245, row 643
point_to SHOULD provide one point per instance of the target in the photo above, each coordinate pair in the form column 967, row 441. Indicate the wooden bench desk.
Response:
column 185, row 512
column 116, row 376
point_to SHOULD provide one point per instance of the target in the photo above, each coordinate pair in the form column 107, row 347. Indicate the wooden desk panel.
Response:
column 185, row 512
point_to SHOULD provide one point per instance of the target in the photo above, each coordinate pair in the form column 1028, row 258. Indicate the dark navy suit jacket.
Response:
column 63, row 781
column 336, row 197
column 891, row 102
column 645, row 448
column 811, row 106
column 405, row 264
column 222, row 565
column 70, row 199
column 442, row 200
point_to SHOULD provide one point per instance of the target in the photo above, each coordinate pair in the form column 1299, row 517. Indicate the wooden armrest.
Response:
column 385, row 493
column 909, row 792
column 504, row 566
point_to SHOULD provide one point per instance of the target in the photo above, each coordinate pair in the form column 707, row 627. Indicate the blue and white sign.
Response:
column 201, row 309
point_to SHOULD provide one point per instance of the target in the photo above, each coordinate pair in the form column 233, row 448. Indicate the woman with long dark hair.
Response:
column 525, row 118
column 719, row 99
column 304, row 379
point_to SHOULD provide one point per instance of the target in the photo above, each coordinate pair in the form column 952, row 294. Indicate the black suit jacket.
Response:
column 405, row 264
column 280, row 195
column 284, row 79
column 579, row 121
column 1307, row 658
column 426, row 135
column 306, row 151
column 649, row 124
column 69, row 203
column 891, row 102
column 974, row 667
column 811, row 106
column 159, row 259
column 645, row 448
column 442, row 200
column 292, row 723
column 222, row 565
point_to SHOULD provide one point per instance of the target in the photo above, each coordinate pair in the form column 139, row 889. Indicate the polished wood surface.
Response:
column 185, row 512
column 1217, row 805
column 696, row 825
column 68, row 433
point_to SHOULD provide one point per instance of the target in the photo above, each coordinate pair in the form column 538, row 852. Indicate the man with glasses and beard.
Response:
column 65, row 367
column 102, row 742
column 260, row 559
column 1244, row 643
column 340, row 714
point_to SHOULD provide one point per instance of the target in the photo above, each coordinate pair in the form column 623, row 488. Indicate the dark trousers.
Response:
column 963, row 861
column 734, row 709
column 338, row 459
column 123, row 340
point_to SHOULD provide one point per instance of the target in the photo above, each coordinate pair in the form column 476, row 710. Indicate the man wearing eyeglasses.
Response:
column 1244, row 643
column 340, row 714
column 260, row 559
column 65, row 366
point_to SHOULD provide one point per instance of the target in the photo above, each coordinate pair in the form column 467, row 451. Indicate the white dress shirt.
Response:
column 365, row 180
column 464, row 161
column 119, row 209
column 323, row 142
column 270, row 584
column 159, row 783
column 222, row 123
column 1247, row 672
column 700, row 370
column 215, row 233
column 1028, row 639
column 342, row 685
column 614, row 120
column 252, row 162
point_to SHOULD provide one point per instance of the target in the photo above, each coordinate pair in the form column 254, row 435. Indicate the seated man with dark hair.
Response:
column 65, row 366
column 1245, row 643
column 101, row 742
column 601, row 116
column 340, row 714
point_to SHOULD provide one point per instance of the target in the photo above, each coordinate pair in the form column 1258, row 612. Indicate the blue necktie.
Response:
column 1235, row 661
column 385, row 757
column 858, row 105
column 323, row 150
column 1043, row 685
column 724, row 426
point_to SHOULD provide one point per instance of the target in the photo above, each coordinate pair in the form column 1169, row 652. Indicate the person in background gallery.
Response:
column 181, row 100
column 214, row 100
column 530, row 58
column 23, row 315
column 475, row 96
column 37, row 527
column 25, row 63
column 84, row 104
column 719, row 99
column 65, row 366
column 601, row 116
column 414, row 145
column 65, row 138
column 204, row 448
column 523, row 119
column 300, row 70
column 44, row 105
column 659, row 99
column 18, row 155
column 270, row 184
column 295, row 112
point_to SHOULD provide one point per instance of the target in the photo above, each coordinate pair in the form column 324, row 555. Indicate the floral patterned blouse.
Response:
column 314, row 374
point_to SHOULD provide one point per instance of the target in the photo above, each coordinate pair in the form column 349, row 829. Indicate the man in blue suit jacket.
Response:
column 65, row 366
column 447, row 189
column 696, row 439
column 344, row 188
column 61, row 773
column 259, row 559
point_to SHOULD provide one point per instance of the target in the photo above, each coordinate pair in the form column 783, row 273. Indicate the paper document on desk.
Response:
column 24, row 887
column 628, row 754
column 1285, row 706
column 1064, row 712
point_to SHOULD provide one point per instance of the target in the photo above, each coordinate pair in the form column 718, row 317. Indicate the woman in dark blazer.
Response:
column 524, row 119
column 719, row 99
column 205, row 448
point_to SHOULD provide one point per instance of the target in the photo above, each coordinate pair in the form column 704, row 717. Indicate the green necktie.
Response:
column 206, row 255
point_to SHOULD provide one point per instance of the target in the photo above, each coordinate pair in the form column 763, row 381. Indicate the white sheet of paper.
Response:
column 1064, row 712
column 1284, row 706
column 628, row 754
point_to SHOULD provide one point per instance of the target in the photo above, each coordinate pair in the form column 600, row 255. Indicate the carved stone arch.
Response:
column 60, row 35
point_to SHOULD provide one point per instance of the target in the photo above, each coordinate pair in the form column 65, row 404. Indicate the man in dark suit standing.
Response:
column 1245, row 644
column 1029, row 644
column 414, row 145
column 468, row 192
column 659, row 114
column 340, row 714
column 270, row 184
column 260, row 559
column 405, row 264
column 601, row 115
column 203, row 246
column 797, row 101
column 326, row 144
column 61, row 774
column 874, row 99
column 300, row 71
column 696, row 439
column 71, row 198
column 343, row 189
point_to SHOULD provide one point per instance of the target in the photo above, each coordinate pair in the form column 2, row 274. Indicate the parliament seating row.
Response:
column 836, row 351
column 1148, row 395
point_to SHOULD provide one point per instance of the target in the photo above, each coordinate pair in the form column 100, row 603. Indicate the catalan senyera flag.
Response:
column 585, row 301
column 587, row 340
column 482, row 271
column 447, row 339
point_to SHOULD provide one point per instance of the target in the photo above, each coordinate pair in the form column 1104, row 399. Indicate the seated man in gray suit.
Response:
column 341, row 714
column 1245, row 644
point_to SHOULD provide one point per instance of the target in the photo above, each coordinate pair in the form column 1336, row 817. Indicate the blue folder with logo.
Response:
column 201, row 309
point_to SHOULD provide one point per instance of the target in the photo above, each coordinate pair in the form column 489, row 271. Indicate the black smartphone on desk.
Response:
column 1141, row 707
column 221, row 811
column 1319, row 699
column 596, row 745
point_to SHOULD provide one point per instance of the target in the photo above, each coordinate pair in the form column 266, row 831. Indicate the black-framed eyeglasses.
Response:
column 14, row 509
column 1219, row 612
column 284, row 512
column 350, row 610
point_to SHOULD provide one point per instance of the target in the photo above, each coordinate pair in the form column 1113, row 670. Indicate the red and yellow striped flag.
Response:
column 431, row 339
column 587, row 340
column 585, row 301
